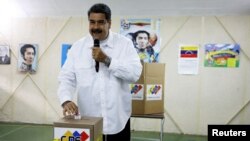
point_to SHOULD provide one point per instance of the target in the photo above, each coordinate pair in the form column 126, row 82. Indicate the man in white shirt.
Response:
column 104, row 93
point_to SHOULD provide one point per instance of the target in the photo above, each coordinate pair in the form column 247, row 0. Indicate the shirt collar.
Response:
column 106, row 43
column 109, row 41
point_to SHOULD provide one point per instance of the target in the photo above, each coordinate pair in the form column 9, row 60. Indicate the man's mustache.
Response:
column 96, row 31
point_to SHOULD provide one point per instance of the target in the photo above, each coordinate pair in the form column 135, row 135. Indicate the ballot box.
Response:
column 78, row 129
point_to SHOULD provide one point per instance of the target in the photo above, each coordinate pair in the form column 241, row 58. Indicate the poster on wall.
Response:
column 4, row 54
column 65, row 49
column 222, row 55
column 188, row 61
column 27, row 59
column 144, row 34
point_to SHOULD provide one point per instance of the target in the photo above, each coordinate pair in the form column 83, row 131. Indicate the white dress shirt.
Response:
column 105, row 93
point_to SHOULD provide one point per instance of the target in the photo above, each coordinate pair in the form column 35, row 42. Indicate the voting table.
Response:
column 152, row 116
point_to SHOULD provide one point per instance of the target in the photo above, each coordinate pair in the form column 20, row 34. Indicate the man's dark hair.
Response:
column 101, row 8
column 140, row 31
column 24, row 47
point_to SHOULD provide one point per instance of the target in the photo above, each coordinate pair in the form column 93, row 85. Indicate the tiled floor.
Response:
column 155, row 136
column 34, row 132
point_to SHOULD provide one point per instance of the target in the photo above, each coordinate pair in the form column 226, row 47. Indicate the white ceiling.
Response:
column 136, row 7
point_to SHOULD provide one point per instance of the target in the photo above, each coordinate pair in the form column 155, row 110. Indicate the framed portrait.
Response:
column 27, row 58
column 4, row 54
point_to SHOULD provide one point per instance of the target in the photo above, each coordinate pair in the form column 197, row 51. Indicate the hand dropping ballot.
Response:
column 78, row 116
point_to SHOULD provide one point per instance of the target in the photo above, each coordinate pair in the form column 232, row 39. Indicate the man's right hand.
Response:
column 69, row 108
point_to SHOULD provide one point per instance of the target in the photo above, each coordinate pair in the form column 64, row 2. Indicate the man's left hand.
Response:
column 98, row 54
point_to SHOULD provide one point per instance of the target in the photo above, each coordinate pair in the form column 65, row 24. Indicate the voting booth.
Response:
column 148, row 95
column 148, row 92
column 80, row 129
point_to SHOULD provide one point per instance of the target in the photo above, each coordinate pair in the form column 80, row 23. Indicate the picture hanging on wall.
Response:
column 27, row 59
column 144, row 34
column 188, row 59
column 222, row 55
column 65, row 49
column 4, row 54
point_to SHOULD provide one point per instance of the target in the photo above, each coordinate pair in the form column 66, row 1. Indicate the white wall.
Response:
column 214, row 96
